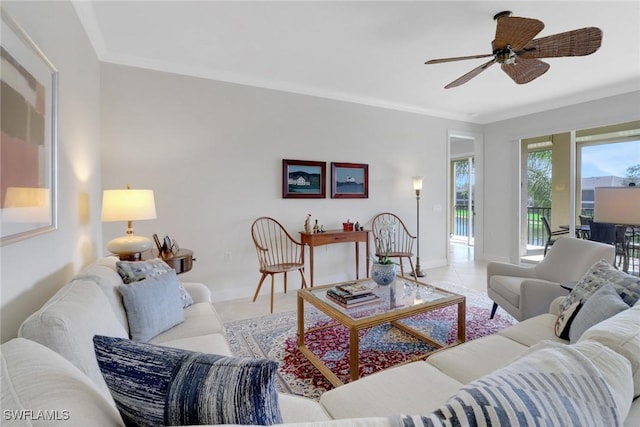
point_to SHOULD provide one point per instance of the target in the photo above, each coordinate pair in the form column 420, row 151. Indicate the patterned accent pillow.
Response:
column 134, row 271
column 154, row 385
column 565, row 319
column 627, row 286
column 547, row 387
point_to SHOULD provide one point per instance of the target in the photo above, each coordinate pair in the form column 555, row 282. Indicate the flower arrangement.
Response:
column 387, row 232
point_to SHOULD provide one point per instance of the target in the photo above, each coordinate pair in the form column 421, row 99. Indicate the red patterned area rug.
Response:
column 275, row 337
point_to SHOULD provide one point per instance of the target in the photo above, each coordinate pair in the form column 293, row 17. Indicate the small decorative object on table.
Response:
column 157, row 242
column 166, row 246
column 307, row 224
column 347, row 226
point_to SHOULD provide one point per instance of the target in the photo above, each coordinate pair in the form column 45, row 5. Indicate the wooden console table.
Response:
column 335, row 236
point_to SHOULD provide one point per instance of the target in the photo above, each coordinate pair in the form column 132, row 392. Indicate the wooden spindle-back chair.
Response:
column 277, row 251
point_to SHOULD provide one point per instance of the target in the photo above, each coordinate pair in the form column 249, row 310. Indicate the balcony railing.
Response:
column 461, row 221
column 536, row 234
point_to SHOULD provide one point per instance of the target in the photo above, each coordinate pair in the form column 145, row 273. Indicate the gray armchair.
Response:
column 525, row 292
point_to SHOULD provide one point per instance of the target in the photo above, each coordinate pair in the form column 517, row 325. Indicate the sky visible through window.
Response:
column 610, row 159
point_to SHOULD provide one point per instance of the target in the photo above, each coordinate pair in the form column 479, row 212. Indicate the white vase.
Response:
column 383, row 274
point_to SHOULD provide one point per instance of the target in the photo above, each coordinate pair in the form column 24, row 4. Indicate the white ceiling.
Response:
column 370, row 52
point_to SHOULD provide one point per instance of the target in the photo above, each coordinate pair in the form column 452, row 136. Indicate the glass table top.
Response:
column 402, row 294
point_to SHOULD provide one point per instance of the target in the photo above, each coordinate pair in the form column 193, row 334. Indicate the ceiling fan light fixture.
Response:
column 514, row 44
column 505, row 55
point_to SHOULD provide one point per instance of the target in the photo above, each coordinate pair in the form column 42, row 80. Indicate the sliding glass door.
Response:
column 560, row 172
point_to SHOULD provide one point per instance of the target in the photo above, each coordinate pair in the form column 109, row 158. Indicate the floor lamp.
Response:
column 417, row 185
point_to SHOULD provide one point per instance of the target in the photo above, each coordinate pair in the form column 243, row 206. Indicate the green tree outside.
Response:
column 539, row 177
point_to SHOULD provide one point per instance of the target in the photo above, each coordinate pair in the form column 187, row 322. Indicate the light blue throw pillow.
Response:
column 154, row 385
column 134, row 271
column 603, row 304
column 153, row 305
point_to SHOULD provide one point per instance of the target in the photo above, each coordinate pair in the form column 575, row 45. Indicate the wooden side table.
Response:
column 181, row 261
column 335, row 236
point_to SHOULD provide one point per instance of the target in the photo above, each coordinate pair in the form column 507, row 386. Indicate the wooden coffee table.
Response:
column 408, row 298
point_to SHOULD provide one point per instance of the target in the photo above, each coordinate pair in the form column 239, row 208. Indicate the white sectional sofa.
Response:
column 50, row 371
column 89, row 305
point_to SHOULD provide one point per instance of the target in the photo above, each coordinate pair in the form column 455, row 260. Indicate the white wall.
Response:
column 501, row 179
column 213, row 153
column 33, row 269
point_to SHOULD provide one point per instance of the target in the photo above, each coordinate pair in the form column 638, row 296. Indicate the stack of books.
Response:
column 352, row 295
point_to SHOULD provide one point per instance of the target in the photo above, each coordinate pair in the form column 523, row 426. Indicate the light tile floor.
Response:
column 463, row 270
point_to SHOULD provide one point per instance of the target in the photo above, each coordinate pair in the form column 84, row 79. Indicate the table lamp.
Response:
column 128, row 205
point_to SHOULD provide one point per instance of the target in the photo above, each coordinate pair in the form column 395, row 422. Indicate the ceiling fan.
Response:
column 518, row 53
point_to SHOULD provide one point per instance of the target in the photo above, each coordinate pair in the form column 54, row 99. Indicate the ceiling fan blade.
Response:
column 583, row 41
column 458, row 58
column 515, row 31
column 525, row 70
column 471, row 74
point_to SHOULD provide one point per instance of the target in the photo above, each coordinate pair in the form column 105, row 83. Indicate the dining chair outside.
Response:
column 584, row 220
column 622, row 247
column 602, row 232
column 552, row 236
column 392, row 238
column 613, row 235
column 277, row 251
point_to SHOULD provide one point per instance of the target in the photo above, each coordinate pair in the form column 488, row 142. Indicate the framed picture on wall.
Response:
column 303, row 179
column 349, row 180
column 29, row 96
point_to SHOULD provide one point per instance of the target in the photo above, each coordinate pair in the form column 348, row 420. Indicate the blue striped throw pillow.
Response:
column 551, row 385
column 154, row 385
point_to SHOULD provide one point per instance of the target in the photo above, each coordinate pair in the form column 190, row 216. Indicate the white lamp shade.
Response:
column 128, row 205
column 617, row 205
column 417, row 182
